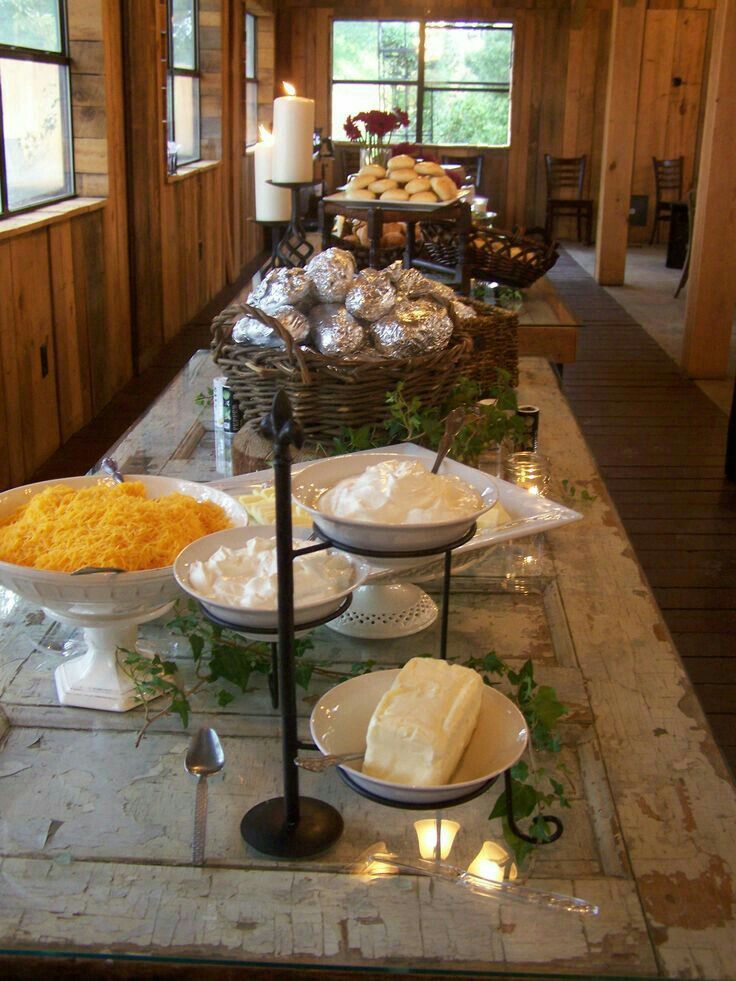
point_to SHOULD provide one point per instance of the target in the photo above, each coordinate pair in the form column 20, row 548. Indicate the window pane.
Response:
column 466, row 54
column 186, row 117
column 35, row 107
column 351, row 98
column 183, row 48
column 250, row 46
column 30, row 24
column 477, row 118
column 370, row 49
column 251, row 113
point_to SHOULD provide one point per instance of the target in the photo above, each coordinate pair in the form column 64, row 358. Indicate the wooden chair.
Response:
column 472, row 164
column 565, row 179
column 690, row 223
column 347, row 161
column 668, row 183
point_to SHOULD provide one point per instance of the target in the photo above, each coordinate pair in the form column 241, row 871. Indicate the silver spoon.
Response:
column 454, row 422
column 204, row 757
column 110, row 467
column 318, row 764
column 88, row 570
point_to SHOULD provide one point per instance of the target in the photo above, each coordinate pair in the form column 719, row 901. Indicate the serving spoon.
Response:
column 205, row 756
column 454, row 422
column 110, row 467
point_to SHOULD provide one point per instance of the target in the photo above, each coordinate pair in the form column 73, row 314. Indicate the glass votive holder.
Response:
column 528, row 470
column 493, row 862
column 427, row 837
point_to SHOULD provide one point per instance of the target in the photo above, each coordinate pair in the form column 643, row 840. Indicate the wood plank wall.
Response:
column 559, row 79
column 88, row 298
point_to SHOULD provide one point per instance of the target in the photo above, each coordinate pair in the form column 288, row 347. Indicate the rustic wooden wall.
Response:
column 559, row 79
column 90, row 289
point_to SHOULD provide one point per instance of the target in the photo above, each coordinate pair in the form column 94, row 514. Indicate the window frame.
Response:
column 420, row 84
column 63, row 59
column 171, row 73
column 251, row 18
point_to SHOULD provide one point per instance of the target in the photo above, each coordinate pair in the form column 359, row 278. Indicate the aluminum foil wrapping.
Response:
column 332, row 273
column 336, row 332
column 248, row 330
column 413, row 285
column 279, row 288
column 395, row 270
column 462, row 311
column 371, row 296
column 413, row 327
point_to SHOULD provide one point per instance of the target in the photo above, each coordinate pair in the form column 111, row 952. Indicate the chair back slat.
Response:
column 564, row 174
column 668, row 176
column 472, row 164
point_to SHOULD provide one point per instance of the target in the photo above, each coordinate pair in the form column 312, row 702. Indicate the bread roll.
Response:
column 427, row 197
column 402, row 161
column 419, row 184
column 376, row 170
column 395, row 194
column 360, row 181
column 444, row 188
column 393, row 240
column 386, row 184
column 359, row 194
column 426, row 167
column 403, row 174
column 362, row 234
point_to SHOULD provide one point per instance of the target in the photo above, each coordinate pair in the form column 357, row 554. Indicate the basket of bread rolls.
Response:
column 352, row 233
column 508, row 258
column 404, row 180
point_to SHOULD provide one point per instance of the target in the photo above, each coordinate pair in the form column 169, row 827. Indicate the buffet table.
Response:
column 96, row 833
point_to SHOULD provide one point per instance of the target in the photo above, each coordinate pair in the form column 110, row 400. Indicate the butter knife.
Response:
column 514, row 892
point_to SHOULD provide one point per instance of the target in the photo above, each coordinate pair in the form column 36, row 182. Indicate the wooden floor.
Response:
column 659, row 443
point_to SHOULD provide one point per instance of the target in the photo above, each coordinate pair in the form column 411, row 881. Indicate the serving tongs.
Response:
column 512, row 891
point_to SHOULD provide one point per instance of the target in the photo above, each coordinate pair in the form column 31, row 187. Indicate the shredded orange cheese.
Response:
column 63, row 529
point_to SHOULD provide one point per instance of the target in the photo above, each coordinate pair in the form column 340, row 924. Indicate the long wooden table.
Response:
column 96, row 834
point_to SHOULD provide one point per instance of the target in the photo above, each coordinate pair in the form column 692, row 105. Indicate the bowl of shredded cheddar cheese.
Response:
column 51, row 529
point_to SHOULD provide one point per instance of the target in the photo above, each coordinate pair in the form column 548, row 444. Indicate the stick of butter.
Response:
column 422, row 724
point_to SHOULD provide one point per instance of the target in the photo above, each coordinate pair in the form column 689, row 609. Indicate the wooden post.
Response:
column 711, row 290
column 619, row 130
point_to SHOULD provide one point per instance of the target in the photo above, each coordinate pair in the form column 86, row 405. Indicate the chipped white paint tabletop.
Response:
column 95, row 834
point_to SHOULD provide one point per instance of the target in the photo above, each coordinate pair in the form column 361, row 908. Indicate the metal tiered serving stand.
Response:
column 294, row 826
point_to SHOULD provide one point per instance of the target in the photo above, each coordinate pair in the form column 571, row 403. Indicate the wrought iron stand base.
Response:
column 266, row 829
column 294, row 249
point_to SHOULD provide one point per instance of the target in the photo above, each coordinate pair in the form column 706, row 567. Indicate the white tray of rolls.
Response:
column 420, row 185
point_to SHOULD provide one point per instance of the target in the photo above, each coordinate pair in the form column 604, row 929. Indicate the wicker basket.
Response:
column 495, row 335
column 493, row 254
column 329, row 393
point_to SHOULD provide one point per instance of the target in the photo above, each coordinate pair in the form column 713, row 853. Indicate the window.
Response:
column 251, row 81
column 452, row 77
column 35, row 114
column 182, row 83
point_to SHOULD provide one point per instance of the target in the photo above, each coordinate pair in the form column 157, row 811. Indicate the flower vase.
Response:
column 374, row 155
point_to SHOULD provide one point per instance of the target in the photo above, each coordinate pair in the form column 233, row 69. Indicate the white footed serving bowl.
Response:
column 339, row 724
column 309, row 484
column 108, row 605
column 258, row 617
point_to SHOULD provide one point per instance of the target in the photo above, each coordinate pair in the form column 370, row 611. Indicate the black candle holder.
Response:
column 293, row 249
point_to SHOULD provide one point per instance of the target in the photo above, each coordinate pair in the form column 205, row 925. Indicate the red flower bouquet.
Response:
column 377, row 125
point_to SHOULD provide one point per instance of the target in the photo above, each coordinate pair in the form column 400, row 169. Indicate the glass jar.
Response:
column 528, row 470
column 374, row 155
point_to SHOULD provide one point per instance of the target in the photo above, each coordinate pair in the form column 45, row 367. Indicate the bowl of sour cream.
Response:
column 233, row 574
column 391, row 502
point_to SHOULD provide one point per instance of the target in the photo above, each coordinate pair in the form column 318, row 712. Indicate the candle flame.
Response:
column 266, row 136
column 289, row 88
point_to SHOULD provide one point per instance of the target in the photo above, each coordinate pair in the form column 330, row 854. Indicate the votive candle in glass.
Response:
column 528, row 470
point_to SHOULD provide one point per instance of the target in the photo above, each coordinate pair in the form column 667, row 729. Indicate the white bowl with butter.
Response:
column 390, row 502
column 233, row 574
column 339, row 724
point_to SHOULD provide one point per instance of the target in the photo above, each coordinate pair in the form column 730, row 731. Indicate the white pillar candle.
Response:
column 293, row 135
column 272, row 203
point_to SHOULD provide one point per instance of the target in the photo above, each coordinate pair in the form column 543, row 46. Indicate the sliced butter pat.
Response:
column 423, row 723
column 495, row 518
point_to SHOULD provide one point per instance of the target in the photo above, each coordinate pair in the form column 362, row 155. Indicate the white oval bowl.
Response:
column 309, row 484
column 339, row 723
column 262, row 619
column 104, row 594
